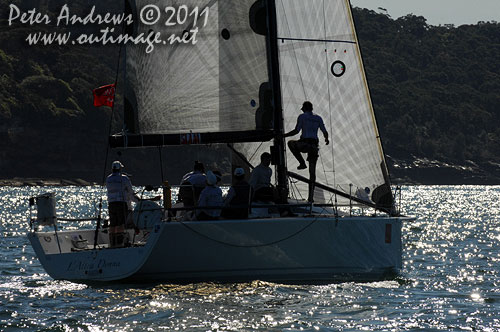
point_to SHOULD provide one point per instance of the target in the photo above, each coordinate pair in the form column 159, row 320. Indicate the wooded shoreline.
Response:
column 36, row 182
column 434, row 91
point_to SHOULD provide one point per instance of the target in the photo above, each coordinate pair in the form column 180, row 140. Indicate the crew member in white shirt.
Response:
column 192, row 184
column 210, row 196
column 308, row 124
column 120, row 197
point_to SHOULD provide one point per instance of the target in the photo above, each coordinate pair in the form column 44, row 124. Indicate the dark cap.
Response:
column 307, row 106
column 199, row 166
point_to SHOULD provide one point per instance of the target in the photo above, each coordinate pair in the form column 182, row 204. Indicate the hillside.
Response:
column 435, row 91
column 436, row 95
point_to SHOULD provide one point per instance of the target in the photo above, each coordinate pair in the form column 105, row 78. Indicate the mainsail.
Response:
column 217, row 85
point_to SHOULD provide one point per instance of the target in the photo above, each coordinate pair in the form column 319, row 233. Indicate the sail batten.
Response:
column 149, row 140
column 317, row 40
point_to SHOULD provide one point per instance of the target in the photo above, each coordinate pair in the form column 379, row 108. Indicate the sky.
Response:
column 437, row 12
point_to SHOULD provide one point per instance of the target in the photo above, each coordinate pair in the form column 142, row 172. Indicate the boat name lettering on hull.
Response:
column 85, row 266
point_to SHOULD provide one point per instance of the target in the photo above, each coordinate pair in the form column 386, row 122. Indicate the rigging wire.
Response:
column 296, row 62
column 98, row 225
column 328, row 78
column 291, row 192
column 294, row 185
column 256, row 150
column 112, row 112
column 329, row 107
column 254, row 245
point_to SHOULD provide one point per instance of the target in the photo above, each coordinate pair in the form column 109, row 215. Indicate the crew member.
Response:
column 192, row 184
column 120, row 197
column 260, row 179
column 308, row 123
column 238, row 197
column 211, row 196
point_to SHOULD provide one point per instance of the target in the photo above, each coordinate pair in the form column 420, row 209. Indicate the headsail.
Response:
column 320, row 61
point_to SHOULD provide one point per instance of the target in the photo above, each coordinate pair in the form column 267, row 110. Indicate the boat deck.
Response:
column 83, row 240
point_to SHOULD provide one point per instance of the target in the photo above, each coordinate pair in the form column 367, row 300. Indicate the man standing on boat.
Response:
column 260, row 180
column 239, row 196
column 211, row 196
column 309, row 124
column 192, row 184
column 120, row 197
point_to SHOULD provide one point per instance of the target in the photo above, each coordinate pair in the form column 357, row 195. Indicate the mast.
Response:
column 278, row 148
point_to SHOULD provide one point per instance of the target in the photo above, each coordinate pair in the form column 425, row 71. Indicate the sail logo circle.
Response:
column 338, row 68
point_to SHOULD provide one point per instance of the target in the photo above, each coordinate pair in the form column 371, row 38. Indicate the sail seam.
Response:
column 329, row 103
column 317, row 40
column 294, row 53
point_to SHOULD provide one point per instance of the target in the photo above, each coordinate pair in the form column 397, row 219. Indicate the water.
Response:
column 450, row 280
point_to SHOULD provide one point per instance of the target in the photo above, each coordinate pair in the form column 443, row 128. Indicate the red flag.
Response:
column 104, row 96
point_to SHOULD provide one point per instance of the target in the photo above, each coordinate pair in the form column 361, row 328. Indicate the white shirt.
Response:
column 261, row 177
column 363, row 194
column 119, row 189
column 196, row 178
column 309, row 123
column 211, row 196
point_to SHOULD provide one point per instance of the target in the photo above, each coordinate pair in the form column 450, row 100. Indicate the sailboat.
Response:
column 243, row 83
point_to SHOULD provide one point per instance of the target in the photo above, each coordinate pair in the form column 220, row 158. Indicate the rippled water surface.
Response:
column 450, row 280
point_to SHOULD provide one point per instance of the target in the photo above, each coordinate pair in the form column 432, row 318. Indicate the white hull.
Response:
column 292, row 250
